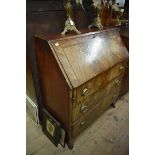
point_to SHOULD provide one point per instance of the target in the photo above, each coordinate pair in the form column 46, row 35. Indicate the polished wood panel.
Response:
column 125, row 38
column 55, row 91
column 92, row 54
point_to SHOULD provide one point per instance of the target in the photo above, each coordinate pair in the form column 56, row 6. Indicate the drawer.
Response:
column 113, row 86
column 90, row 87
column 86, row 105
column 116, row 71
column 88, row 119
column 84, row 122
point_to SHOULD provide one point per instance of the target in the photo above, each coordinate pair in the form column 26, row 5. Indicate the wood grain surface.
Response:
column 93, row 54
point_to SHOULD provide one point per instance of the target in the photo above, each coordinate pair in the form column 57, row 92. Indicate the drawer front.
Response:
column 90, row 87
column 86, row 90
column 116, row 71
column 87, row 120
column 86, row 105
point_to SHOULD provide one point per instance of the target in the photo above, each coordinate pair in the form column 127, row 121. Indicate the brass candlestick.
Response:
column 119, row 14
column 80, row 3
column 109, row 19
column 69, row 24
column 97, row 6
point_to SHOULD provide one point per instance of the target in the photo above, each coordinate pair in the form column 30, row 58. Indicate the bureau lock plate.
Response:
column 53, row 129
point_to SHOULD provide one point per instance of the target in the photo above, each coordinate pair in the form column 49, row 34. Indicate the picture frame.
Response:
column 51, row 127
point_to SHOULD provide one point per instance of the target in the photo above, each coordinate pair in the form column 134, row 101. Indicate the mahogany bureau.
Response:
column 80, row 77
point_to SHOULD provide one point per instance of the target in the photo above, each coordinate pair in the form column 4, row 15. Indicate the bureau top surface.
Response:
column 82, row 57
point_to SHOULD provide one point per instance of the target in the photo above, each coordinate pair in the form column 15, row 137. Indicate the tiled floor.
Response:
column 108, row 135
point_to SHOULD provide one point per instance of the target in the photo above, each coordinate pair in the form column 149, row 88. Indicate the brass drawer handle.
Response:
column 82, row 123
column 115, row 96
column 84, row 108
column 121, row 68
column 117, row 82
column 85, row 92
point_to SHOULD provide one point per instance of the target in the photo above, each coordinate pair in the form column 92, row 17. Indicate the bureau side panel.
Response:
column 54, row 89
column 125, row 82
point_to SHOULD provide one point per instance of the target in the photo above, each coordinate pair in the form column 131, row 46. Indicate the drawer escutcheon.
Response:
column 121, row 68
column 115, row 96
column 56, row 44
column 117, row 82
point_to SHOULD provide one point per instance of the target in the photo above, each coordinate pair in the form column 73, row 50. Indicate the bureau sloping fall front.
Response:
column 80, row 76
